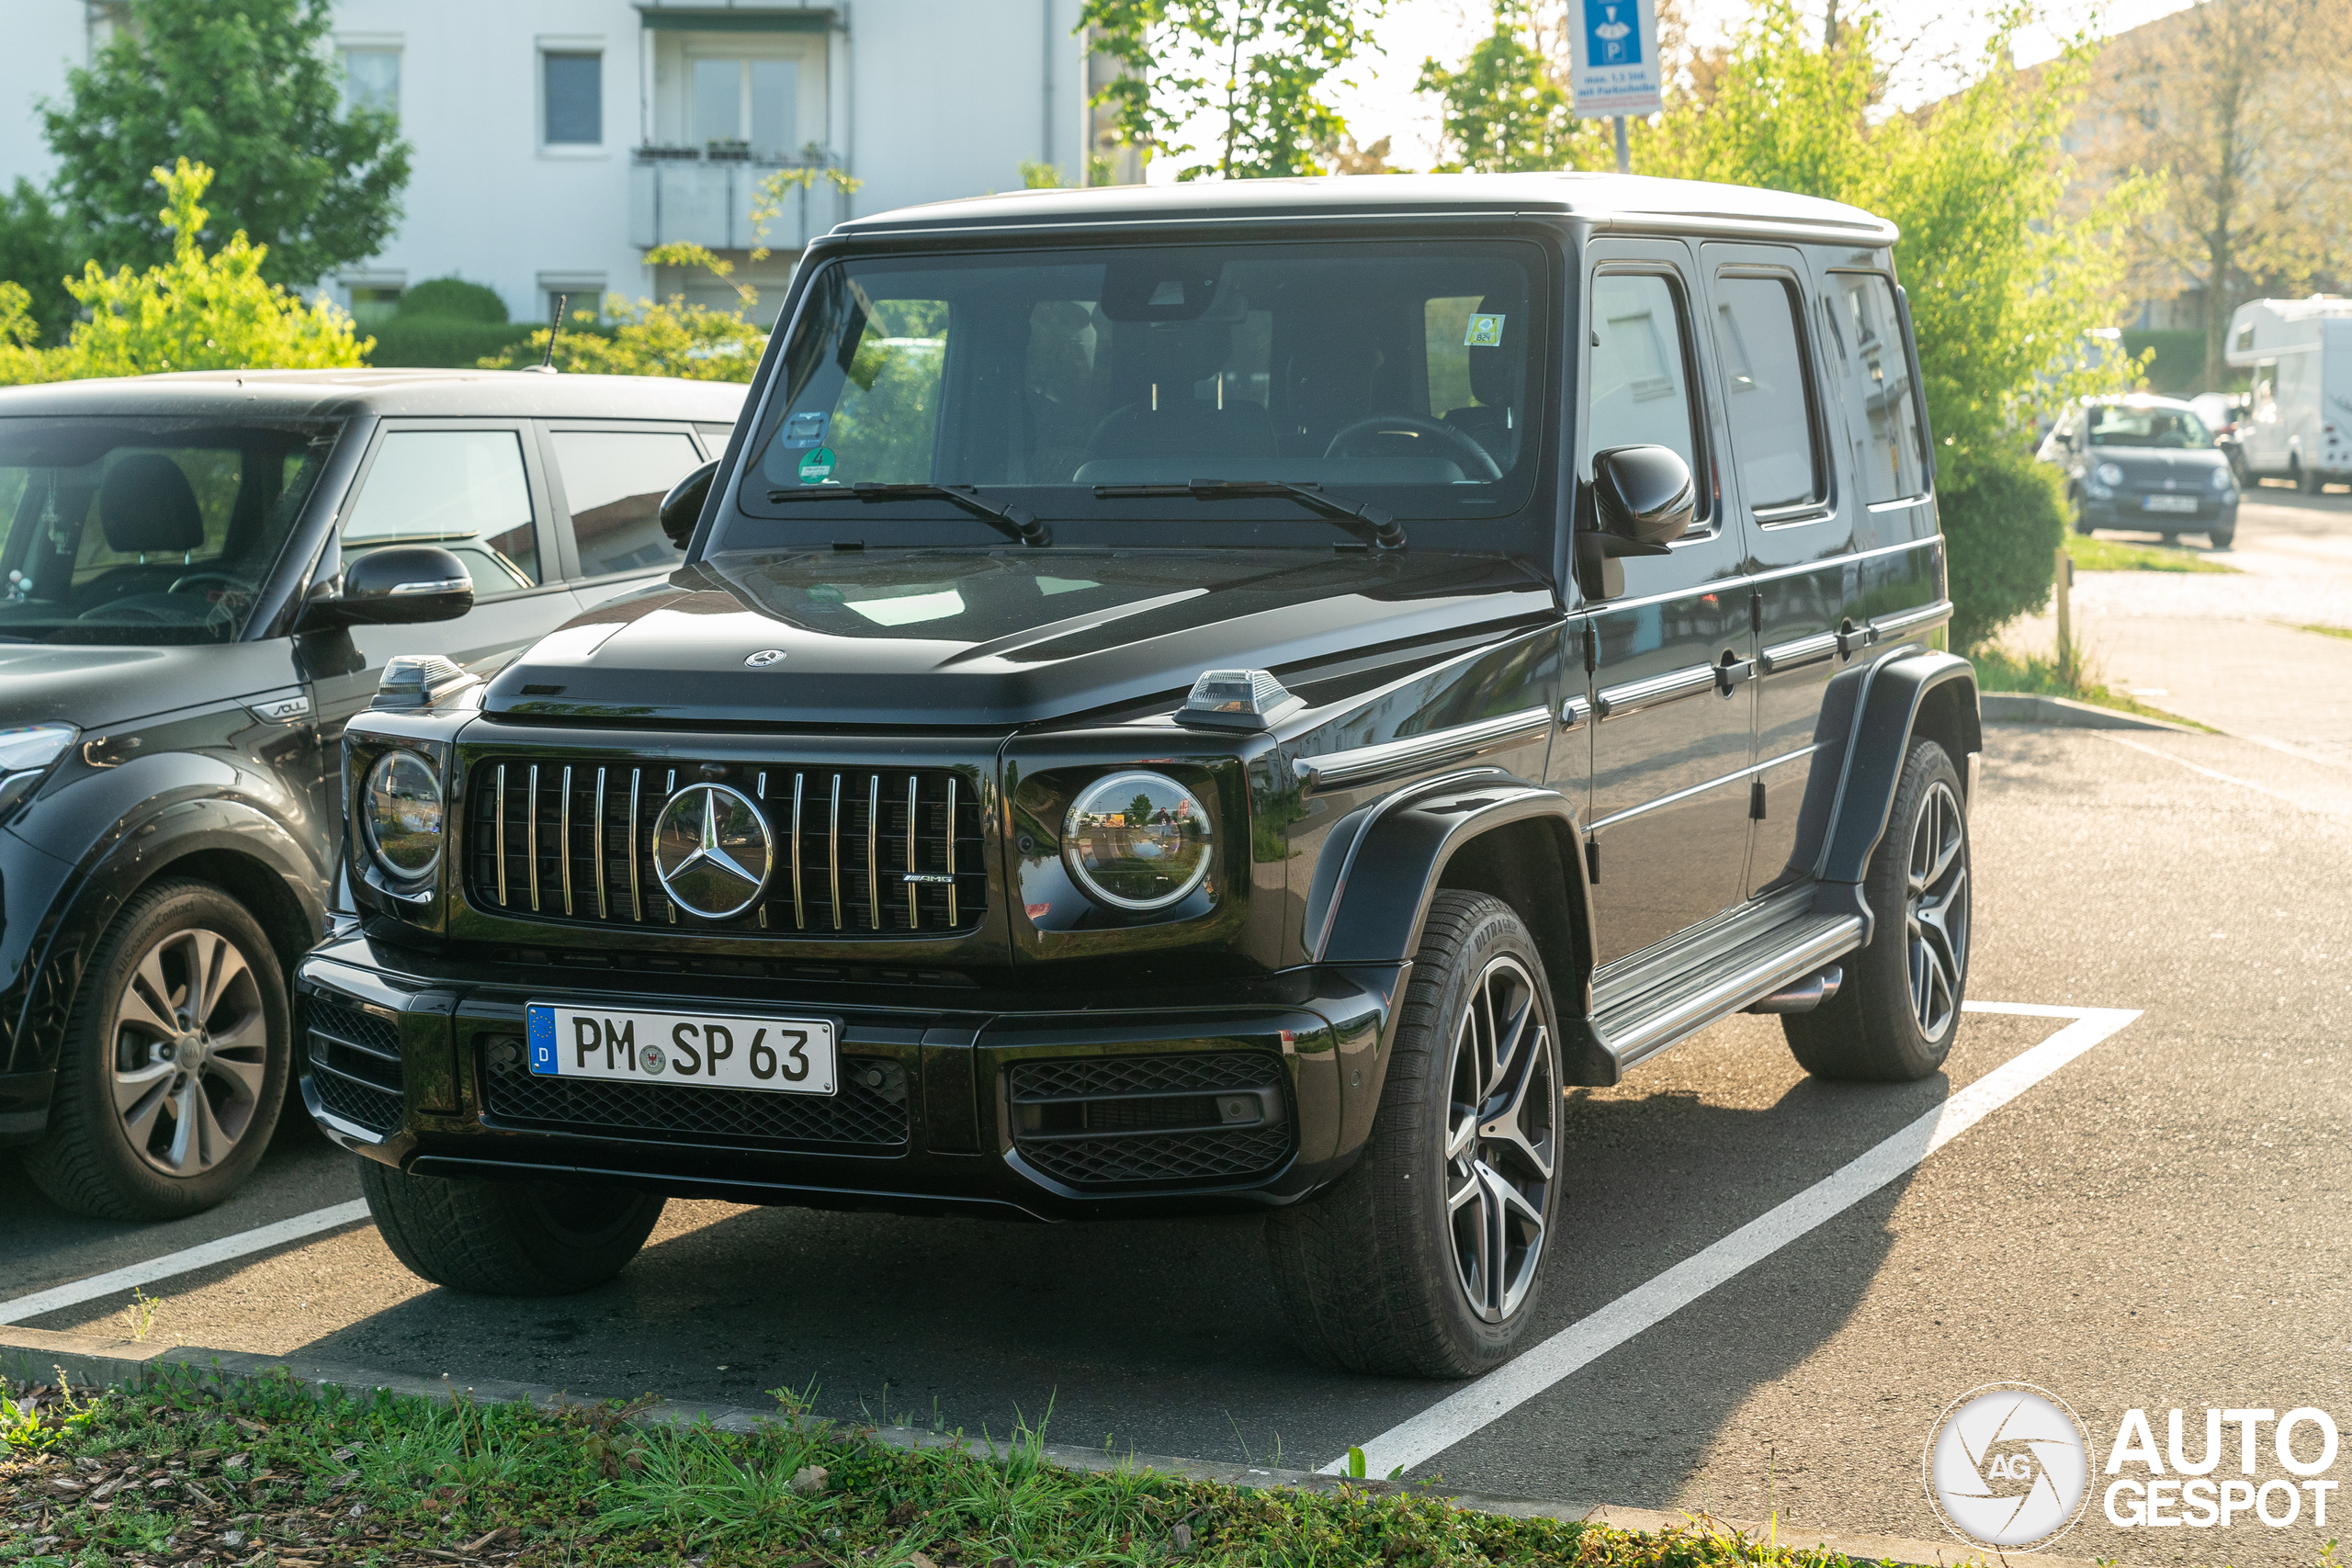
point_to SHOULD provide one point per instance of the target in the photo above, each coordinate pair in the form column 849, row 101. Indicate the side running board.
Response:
column 1638, row 1026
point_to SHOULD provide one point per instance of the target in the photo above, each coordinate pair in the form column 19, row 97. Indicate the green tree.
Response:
column 1139, row 811
column 193, row 312
column 2005, row 269
column 1504, row 111
column 250, row 88
column 37, row 251
column 674, row 338
column 1249, row 71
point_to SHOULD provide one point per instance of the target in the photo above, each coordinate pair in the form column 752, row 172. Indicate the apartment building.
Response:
column 557, row 140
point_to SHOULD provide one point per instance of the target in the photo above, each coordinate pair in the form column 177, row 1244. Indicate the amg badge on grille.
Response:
column 712, row 851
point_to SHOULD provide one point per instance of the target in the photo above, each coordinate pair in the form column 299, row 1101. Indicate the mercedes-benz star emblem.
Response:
column 712, row 851
column 765, row 658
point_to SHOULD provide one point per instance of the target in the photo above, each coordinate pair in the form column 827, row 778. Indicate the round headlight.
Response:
column 2221, row 479
column 403, row 815
column 2110, row 474
column 1136, row 840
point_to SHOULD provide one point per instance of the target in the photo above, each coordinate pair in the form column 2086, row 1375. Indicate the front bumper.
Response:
column 951, row 1100
column 2127, row 510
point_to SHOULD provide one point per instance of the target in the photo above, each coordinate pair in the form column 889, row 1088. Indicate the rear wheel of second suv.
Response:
column 1426, row 1260
column 1895, row 1017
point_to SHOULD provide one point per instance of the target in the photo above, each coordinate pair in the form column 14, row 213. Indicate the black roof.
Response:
column 1607, row 201
column 475, row 394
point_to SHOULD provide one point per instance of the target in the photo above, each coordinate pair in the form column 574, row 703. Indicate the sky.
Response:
column 1381, row 101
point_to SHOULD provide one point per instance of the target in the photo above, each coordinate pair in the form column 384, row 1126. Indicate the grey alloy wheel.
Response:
column 1500, row 1130
column 190, row 1051
column 1936, row 914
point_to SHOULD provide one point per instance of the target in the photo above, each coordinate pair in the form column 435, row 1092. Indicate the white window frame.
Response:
column 394, row 44
column 547, row 44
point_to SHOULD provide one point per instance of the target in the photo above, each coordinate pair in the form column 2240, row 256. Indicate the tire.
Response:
column 1894, row 1017
column 2221, row 538
column 1386, row 1271
column 501, row 1239
column 175, row 1063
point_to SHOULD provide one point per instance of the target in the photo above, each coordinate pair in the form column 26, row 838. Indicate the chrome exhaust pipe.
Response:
column 1805, row 995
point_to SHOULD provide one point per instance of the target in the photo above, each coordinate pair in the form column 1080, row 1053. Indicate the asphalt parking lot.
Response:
column 2156, row 1222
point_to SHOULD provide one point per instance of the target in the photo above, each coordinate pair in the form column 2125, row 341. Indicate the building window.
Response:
column 574, row 97
column 371, row 80
column 756, row 102
column 374, row 304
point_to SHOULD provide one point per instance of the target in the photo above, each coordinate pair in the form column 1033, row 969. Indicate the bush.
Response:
column 194, row 312
column 443, row 342
column 453, row 300
column 35, row 249
column 2004, row 517
column 693, row 341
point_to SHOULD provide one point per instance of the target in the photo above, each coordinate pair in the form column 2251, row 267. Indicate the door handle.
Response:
column 1731, row 670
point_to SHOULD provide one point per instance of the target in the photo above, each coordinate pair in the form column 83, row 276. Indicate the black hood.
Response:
column 953, row 638
column 94, row 687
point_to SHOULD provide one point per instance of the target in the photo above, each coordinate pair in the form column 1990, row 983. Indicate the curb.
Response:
column 2024, row 707
column 34, row 1356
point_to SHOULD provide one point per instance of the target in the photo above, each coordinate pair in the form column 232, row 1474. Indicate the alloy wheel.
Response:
column 1936, row 913
column 190, row 1051
column 1500, row 1131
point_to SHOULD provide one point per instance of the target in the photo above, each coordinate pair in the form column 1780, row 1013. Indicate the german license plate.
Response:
column 785, row 1055
column 2168, row 503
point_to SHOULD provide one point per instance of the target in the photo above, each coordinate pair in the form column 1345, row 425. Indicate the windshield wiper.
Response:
column 1369, row 523
column 1009, row 521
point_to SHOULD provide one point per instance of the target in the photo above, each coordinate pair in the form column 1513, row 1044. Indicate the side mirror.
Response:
column 681, row 508
column 397, row 585
column 1643, row 500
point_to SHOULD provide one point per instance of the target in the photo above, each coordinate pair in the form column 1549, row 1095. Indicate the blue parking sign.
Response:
column 1612, row 32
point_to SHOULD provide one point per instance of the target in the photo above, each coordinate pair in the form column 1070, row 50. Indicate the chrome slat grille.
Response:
column 859, row 852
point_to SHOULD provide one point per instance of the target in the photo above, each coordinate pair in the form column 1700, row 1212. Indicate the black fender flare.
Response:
column 1887, row 711
column 1384, row 862
column 134, row 851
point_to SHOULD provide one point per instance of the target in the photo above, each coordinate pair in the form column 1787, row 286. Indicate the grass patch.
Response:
column 2328, row 631
column 1997, row 672
column 268, row 1474
column 2092, row 554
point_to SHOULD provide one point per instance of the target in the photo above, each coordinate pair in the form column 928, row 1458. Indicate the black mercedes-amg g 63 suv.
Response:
column 1223, row 696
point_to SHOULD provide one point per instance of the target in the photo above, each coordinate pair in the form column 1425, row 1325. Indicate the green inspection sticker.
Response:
column 1486, row 332
column 817, row 467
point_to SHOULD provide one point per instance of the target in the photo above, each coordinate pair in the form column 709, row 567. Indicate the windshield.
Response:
column 1402, row 374
column 2121, row 424
column 146, row 531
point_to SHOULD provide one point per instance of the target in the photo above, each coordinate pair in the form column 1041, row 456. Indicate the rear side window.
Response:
column 463, row 490
column 1773, row 443
column 613, row 486
column 1640, row 394
column 1869, row 369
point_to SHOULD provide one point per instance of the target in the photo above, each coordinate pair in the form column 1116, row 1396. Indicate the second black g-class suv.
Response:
column 1223, row 696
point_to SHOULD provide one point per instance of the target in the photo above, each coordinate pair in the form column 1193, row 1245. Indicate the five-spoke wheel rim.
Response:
column 190, row 1051
column 1936, row 910
column 1501, row 1123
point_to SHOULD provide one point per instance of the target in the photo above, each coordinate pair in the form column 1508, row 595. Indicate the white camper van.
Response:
column 2298, row 422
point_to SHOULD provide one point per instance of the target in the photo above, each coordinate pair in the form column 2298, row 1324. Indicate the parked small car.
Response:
column 2143, row 463
column 1184, row 699
column 201, row 577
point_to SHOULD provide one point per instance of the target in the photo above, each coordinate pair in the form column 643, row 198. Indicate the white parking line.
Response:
column 2321, row 806
column 259, row 1240
column 1464, row 1413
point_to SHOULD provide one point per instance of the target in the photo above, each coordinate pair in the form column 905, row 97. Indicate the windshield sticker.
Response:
column 1486, row 332
column 817, row 467
column 805, row 429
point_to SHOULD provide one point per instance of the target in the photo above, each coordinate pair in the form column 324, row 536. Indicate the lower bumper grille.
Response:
column 868, row 1115
column 355, row 1066
column 1093, row 1122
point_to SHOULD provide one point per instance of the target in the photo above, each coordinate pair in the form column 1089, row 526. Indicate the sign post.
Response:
column 1616, row 66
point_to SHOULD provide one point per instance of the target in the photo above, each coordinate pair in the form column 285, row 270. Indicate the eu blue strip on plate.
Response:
column 541, row 1024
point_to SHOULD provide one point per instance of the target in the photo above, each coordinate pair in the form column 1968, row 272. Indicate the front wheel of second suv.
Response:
column 1426, row 1258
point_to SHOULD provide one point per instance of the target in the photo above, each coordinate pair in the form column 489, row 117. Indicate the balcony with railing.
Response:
column 726, row 196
